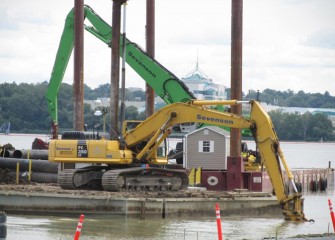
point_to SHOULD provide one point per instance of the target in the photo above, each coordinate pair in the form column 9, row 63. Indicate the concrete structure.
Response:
column 314, row 180
column 46, row 203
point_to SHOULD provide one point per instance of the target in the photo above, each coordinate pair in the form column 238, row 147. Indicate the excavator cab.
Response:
column 159, row 151
column 129, row 125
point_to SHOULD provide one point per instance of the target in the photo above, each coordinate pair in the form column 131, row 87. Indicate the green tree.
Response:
column 131, row 113
column 320, row 127
column 25, row 107
column 295, row 126
column 305, row 124
column 297, row 100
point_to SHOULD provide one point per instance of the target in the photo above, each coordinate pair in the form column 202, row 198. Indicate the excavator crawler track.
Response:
column 81, row 178
column 144, row 179
column 65, row 179
column 128, row 179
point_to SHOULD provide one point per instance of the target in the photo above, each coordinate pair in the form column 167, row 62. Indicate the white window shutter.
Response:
column 200, row 146
column 211, row 146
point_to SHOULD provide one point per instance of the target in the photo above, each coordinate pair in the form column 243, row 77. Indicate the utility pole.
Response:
column 123, row 78
column 78, row 78
column 150, row 48
column 115, row 73
column 236, row 72
column 78, row 73
column 235, row 165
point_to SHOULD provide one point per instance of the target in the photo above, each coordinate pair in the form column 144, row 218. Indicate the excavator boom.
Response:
column 164, row 82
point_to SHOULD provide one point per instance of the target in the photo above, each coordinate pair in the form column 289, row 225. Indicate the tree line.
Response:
column 305, row 127
column 291, row 99
column 25, row 107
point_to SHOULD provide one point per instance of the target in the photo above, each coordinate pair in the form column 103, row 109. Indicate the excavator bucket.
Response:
column 293, row 209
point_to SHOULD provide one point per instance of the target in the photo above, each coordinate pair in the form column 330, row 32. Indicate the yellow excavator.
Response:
column 136, row 161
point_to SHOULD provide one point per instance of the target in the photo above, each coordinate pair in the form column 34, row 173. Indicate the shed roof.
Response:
column 212, row 128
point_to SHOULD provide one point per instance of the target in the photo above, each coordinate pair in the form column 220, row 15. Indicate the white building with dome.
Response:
column 203, row 87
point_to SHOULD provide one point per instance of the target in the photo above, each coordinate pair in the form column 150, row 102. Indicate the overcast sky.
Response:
column 287, row 44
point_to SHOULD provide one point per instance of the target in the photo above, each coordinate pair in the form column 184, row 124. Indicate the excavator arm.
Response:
column 178, row 113
column 273, row 158
column 157, row 127
column 165, row 83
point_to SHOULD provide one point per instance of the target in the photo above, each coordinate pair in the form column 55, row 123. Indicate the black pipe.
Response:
column 36, row 166
column 6, row 153
column 33, row 154
column 38, row 177
column 3, row 226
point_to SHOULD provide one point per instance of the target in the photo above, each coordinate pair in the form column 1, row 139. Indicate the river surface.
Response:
column 119, row 227
column 298, row 155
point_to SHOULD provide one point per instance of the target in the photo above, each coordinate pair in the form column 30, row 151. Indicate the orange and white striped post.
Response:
column 218, row 221
column 79, row 227
column 331, row 213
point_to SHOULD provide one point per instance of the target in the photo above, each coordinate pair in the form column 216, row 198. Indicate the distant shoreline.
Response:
column 248, row 140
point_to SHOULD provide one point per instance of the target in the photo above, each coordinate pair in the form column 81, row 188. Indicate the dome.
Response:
column 196, row 75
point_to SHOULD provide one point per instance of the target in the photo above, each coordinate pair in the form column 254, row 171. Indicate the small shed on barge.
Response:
column 207, row 147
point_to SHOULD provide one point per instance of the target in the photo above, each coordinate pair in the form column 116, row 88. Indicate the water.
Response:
column 298, row 155
column 306, row 154
column 21, row 141
column 120, row 227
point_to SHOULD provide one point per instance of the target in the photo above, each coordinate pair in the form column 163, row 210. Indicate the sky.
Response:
column 287, row 44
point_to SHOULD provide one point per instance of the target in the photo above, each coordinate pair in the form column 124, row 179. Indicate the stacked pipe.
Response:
column 31, row 154
column 42, row 171
column 6, row 153
column 3, row 226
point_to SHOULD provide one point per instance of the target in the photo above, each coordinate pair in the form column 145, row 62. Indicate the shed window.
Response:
column 206, row 146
